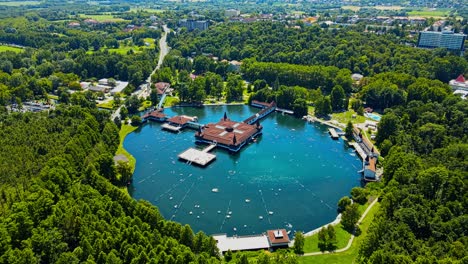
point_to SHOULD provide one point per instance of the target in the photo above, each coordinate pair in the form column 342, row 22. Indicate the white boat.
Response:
column 270, row 212
column 247, row 200
column 228, row 216
column 215, row 190
column 260, row 217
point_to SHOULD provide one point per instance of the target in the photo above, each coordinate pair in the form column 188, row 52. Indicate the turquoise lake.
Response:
column 292, row 177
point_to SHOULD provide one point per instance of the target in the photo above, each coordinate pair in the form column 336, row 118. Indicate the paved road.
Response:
column 144, row 90
column 351, row 239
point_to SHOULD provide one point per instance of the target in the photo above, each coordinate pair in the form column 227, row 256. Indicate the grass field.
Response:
column 171, row 100
column 20, row 3
column 350, row 255
column 103, row 17
column 429, row 13
column 107, row 105
column 52, row 96
column 148, row 10
column 352, row 8
column 342, row 238
column 124, row 131
column 8, row 48
column 347, row 116
column 391, row 8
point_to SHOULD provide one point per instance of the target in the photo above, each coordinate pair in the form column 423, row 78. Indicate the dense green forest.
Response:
column 58, row 207
column 56, row 57
column 360, row 52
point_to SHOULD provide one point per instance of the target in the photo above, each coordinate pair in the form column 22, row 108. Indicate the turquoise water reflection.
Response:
column 292, row 177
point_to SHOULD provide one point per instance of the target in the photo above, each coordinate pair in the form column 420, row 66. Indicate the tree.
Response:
column 132, row 104
column 323, row 107
column 343, row 203
column 300, row 107
column 349, row 130
column 125, row 172
column 331, row 243
column 349, row 217
column 337, row 98
column 299, row 243
column 387, row 127
column 359, row 195
column 228, row 255
column 136, row 120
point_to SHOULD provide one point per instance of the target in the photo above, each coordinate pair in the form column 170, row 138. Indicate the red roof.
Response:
column 223, row 132
column 460, row 78
column 161, row 86
column 156, row 114
column 180, row 120
column 278, row 236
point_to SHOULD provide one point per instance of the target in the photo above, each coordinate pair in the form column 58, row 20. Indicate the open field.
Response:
column 149, row 10
column 383, row 8
column 103, row 17
column 352, row 8
column 391, row 8
column 429, row 13
column 342, row 238
column 349, row 255
column 20, row 3
column 8, row 48
column 107, row 105
column 124, row 131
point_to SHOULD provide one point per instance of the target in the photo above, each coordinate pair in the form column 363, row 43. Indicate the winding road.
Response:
column 351, row 239
column 144, row 89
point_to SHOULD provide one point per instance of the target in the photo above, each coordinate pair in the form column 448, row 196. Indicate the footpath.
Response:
column 351, row 239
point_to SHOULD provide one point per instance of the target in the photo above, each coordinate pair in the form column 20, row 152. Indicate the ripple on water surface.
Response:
column 292, row 177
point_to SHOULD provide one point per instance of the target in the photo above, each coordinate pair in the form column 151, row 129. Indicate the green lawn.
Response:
column 171, row 101
column 8, row 48
column 429, row 13
column 342, row 237
column 144, row 106
column 107, row 105
column 350, row 255
column 52, row 96
column 103, row 17
column 124, row 131
column 347, row 116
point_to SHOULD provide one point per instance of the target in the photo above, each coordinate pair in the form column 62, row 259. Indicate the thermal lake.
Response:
column 292, row 177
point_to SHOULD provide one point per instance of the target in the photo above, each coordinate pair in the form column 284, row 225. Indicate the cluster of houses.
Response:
column 105, row 86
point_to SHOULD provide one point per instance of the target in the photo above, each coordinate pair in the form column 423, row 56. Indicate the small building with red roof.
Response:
column 156, row 115
column 459, row 83
column 278, row 238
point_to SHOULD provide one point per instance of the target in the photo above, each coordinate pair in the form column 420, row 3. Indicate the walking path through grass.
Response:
column 351, row 239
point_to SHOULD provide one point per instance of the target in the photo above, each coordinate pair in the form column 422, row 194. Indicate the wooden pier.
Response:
column 333, row 133
column 199, row 157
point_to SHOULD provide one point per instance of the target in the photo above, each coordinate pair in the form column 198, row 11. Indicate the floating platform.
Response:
column 333, row 133
column 199, row 157
column 170, row 127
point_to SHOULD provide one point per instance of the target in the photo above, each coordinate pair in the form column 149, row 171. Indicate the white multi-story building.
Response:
column 444, row 39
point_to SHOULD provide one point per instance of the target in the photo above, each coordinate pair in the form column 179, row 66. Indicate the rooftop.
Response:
column 372, row 164
column 241, row 242
column 226, row 130
column 181, row 120
column 278, row 236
